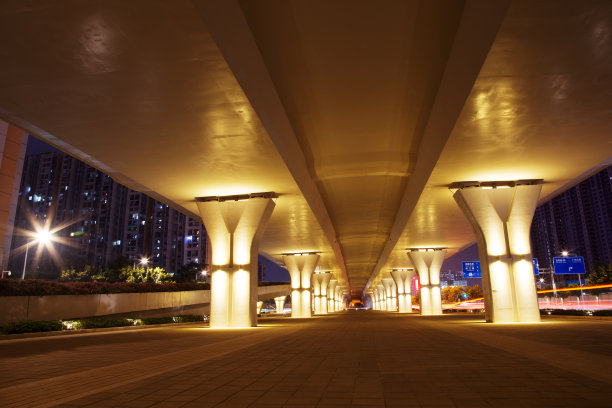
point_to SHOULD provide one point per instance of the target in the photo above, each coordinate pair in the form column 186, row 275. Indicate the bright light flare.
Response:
column 44, row 236
column 41, row 234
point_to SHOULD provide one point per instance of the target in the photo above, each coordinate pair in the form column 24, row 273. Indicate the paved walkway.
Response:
column 372, row 359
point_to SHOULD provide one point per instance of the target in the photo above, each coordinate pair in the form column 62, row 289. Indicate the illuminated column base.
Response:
column 331, row 293
column 338, row 297
column 379, row 300
column 501, row 214
column 280, row 303
column 403, row 281
column 390, row 293
column 235, row 226
column 301, row 267
column 316, row 304
column 428, row 262
column 382, row 298
column 320, row 282
column 259, row 306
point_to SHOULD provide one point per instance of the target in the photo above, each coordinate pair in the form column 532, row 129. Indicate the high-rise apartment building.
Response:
column 104, row 220
column 578, row 221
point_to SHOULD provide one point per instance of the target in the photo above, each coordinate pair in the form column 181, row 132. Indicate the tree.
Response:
column 473, row 292
column 452, row 294
column 114, row 268
column 86, row 274
column 149, row 275
column 188, row 272
column 601, row 274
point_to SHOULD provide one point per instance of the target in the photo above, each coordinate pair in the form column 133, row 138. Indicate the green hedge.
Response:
column 36, row 287
column 103, row 322
column 96, row 323
column 32, row 326
column 571, row 312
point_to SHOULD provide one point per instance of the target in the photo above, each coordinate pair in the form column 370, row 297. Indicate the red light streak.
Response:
column 607, row 285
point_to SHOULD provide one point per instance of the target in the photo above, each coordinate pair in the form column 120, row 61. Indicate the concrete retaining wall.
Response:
column 61, row 307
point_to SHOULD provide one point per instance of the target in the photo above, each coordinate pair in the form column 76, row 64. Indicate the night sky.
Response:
column 36, row 146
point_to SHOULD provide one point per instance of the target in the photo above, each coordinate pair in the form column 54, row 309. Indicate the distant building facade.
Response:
column 578, row 221
column 104, row 219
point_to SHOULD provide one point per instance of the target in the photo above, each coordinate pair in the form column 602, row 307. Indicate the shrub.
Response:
column 146, row 275
column 157, row 320
column 571, row 312
column 95, row 323
column 32, row 326
column 190, row 318
column 602, row 313
column 105, row 322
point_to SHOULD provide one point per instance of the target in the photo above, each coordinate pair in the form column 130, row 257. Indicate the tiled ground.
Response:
column 368, row 359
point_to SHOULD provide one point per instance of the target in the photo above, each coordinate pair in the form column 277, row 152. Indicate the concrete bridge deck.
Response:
column 358, row 358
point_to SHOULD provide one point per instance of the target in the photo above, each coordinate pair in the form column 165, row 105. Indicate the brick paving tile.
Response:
column 366, row 359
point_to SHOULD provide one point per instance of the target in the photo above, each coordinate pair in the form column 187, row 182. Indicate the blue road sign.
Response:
column 569, row 265
column 471, row 269
column 536, row 269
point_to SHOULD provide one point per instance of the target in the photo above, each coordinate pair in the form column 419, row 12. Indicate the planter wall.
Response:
column 62, row 307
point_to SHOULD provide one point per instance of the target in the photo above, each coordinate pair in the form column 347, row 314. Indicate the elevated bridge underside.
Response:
column 359, row 115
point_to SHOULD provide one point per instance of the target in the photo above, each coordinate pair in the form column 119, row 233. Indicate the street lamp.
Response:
column 144, row 262
column 43, row 236
column 566, row 253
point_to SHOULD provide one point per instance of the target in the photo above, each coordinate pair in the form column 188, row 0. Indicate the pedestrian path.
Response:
column 358, row 358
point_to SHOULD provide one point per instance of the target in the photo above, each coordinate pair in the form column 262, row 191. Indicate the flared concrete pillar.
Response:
column 428, row 262
column 391, row 294
column 501, row 214
column 301, row 267
column 235, row 225
column 403, row 281
column 280, row 303
column 382, row 305
column 331, row 296
column 320, row 281
column 13, row 143
column 259, row 306
column 381, row 299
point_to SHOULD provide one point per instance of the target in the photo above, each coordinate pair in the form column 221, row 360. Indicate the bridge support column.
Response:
column 331, row 296
column 235, row 225
column 280, row 303
column 259, row 306
column 428, row 262
column 320, row 281
column 379, row 299
column 391, row 294
column 301, row 267
column 382, row 304
column 403, row 281
column 501, row 214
